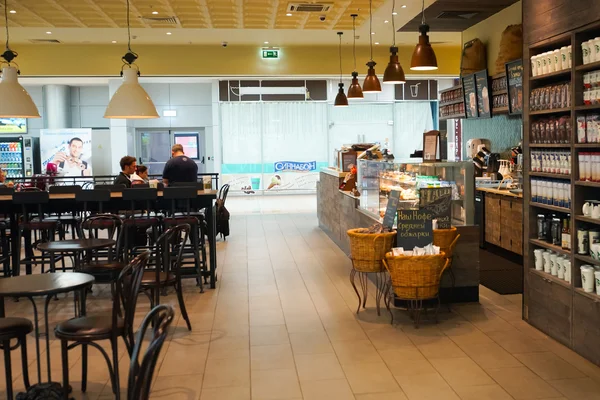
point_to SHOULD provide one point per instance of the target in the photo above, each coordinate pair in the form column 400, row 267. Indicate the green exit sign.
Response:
column 270, row 54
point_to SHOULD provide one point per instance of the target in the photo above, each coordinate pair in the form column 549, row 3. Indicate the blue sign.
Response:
column 282, row 166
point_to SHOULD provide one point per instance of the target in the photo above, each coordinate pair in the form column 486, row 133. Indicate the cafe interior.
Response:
column 390, row 199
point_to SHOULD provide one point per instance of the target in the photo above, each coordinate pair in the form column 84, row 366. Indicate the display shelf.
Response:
column 551, row 111
column 592, row 296
column 590, row 107
column 589, row 220
column 588, row 184
column 588, row 67
column 587, row 145
column 587, row 259
column 454, row 116
column 499, row 92
column 451, row 102
column 500, row 110
column 551, row 207
column 551, row 75
column 550, row 175
column 550, row 145
column 549, row 246
column 551, row 278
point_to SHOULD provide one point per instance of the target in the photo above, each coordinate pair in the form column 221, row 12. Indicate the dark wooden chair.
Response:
column 141, row 373
column 88, row 330
column 14, row 328
column 92, row 201
column 71, row 219
column 111, row 188
column 141, row 221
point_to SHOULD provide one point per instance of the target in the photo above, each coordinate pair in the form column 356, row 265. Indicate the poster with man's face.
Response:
column 70, row 150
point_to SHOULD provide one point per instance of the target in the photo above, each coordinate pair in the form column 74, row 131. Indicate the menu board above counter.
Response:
column 470, row 93
column 483, row 94
column 514, row 75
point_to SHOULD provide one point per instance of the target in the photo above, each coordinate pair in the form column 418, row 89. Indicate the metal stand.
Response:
column 380, row 279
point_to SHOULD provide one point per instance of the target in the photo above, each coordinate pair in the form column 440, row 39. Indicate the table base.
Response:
column 43, row 391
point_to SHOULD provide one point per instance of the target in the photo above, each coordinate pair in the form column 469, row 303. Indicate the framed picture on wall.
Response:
column 514, row 76
column 431, row 146
column 483, row 94
column 470, row 93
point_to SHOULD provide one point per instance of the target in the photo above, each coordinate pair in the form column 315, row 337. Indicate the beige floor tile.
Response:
column 582, row 388
column 356, row 351
column 427, row 387
column 485, row 392
column 311, row 343
column 277, row 356
column 515, row 341
column 268, row 335
column 346, row 331
column 314, row 367
column 387, row 338
column 442, row 347
column 229, row 347
column 279, row 384
column 226, row 393
column 370, row 378
column 337, row 389
column 490, row 356
column 382, row 396
column 266, row 317
column 549, row 366
column 461, row 372
column 181, row 387
column 521, row 383
column 227, row 372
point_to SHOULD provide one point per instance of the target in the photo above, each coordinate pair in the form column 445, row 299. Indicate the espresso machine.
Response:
column 487, row 164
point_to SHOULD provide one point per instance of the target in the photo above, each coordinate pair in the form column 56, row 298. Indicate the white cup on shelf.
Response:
column 547, row 266
column 567, row 267
column 585, row 51
column 570, row 52
column 557, row 65
column 550, row 60
column 597, row 279
column 587, row 278
column 544, row 59
column 554, row 265
column 560, row 267
column 564, row 57
column 534, row 71
column 539, row 262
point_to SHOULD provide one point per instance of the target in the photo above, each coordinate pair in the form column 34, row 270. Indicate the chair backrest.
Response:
column 112, row 188
column 94, row 196
column 65, row 189
column 127, row 290
column 112, row 224
column 139, row 185
column 144, row 198
column 180, row 198
column 140, row 374
column 31, row 202
column 223, row 192
column 197, row 185
column 179, row 236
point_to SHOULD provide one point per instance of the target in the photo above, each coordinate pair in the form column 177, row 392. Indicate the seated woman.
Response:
column 140, row 176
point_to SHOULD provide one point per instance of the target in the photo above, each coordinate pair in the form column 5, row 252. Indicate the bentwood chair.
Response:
column 92, row 201
column 88, row 330
column 66, row 219
column 14, row 328
column 141, row 222
column 140, row 374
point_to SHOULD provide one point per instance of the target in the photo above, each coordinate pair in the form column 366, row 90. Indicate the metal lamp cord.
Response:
column 341, row 69
column 394, row 23
column 354, row 37
column 6, row 21
column 423, row 14
column 371, row 26
column 128, row 28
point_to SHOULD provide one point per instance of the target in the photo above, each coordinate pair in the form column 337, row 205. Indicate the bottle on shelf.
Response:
column 566, row 233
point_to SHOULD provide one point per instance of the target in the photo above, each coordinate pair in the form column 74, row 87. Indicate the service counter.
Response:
column 339, row 211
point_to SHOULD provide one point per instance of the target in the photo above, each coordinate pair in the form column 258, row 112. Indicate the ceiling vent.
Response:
column 160, row 20
column 458, row 15
column 309, row 7
column 42, row 41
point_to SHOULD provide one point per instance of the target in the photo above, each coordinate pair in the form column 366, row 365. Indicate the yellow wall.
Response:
column 490, row 31
column 100, row 60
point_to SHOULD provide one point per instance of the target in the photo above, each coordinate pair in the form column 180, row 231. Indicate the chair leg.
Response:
column 65, row 367
column 116, row 384
column 24, row 361
column 352, row 277
column 184, row 313
column 84, row 367
column 8, row 369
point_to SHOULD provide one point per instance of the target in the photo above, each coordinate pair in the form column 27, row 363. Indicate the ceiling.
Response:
column 457, row 15
column 208, row 22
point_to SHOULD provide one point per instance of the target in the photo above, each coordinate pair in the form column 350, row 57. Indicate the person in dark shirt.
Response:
column 128, row 166
column 180, row 168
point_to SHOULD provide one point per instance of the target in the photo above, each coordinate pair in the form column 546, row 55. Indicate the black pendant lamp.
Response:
column 371, row 84
column 423, row 58
column 394, row 74
column 341, row 100
column 354, row 91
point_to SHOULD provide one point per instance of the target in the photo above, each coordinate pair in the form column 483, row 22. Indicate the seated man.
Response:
column 179, row 168
column 128, row 165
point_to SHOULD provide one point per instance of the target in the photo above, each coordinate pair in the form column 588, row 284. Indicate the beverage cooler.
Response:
column 18, row 156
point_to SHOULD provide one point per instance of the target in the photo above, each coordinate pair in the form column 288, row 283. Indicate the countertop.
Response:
column 334, row 172
column 500, row 192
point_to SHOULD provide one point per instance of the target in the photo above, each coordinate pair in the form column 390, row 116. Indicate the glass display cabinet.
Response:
column 376, row 179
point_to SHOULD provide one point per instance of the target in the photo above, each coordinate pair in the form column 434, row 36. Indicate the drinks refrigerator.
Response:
column 18, row 156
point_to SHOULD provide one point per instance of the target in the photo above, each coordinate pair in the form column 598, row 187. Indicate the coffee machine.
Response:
column 475, row 145
column 487, row 164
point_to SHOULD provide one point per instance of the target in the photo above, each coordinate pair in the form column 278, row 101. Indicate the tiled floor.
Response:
column 282, row 325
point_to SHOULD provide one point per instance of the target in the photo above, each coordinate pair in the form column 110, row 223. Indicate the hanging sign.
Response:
column 514, row 76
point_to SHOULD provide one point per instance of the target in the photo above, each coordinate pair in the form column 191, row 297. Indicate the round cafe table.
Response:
column 48, row 286
column 75, row 246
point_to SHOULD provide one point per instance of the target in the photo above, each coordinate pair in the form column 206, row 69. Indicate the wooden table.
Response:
column 65, row 202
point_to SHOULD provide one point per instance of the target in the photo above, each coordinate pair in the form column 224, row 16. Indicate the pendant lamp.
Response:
column 130, row 101
column 341, row 100
column 423, row 58
column 15, row 102
column 371, row 84
column 354, row 91
column 394, row 74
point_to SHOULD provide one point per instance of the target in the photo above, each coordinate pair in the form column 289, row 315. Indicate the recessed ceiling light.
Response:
column 386, row 21
column 376, row 42
column 372, row 33
column 394, row 13
column 48, row 33
column 114, row 41
column 168, row 33
column 404, row 6
column 12, row 11
column 266, row 42
column 289, row 14
column 154, row 12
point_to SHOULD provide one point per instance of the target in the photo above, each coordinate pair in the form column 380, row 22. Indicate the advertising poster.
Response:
column 514, row 73
column 13, row 125
column 69, row 149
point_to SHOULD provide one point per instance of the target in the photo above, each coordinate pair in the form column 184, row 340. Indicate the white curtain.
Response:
column 241, row 127
column 411, row 120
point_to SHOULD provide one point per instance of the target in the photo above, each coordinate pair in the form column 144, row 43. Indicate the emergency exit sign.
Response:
column 270, row 54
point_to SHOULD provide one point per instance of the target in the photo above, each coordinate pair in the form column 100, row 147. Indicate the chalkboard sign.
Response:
column 470, row 92
column 514, row 76
column 483, row 94
column 414, row 228
column 390, row 211
column 431, row 146
column 438, row 202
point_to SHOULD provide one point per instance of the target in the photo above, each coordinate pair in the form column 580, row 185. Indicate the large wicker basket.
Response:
column 446, row 240
column 367, row 250
column 416, row 277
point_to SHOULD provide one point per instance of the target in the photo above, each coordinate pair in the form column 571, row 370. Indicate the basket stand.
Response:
column 363, row 278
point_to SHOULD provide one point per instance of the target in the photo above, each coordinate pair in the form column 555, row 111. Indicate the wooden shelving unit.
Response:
column 554, row 306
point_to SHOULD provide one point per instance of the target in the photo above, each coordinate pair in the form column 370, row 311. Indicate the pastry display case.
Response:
column 376, row 180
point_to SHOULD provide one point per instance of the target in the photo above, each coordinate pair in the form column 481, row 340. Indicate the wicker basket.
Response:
column 416, row 277
column 367, row 250
column 446, row 240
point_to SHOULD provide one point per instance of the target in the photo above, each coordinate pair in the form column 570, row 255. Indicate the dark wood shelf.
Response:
column 549, row 246
column 588, row 184
column 587, row 145
column 552, row 111
column 499, row 92
column 564, row 72
column 589, row 220
column 451, row 89
column 454, row 116
column 451, row 102
column 500, row 110
column 551, row 278
column 587, row 259
column 550, row 207
column 549, row 175
column 590, row 107
column 592, row 296
column 550, row 146
column 588, row 67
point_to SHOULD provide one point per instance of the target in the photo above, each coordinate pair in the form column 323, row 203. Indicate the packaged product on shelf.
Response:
column 551, row 192
column 581, row 129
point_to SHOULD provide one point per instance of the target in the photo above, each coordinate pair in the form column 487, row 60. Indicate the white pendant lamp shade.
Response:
column 131, row 101
column 15, row 102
